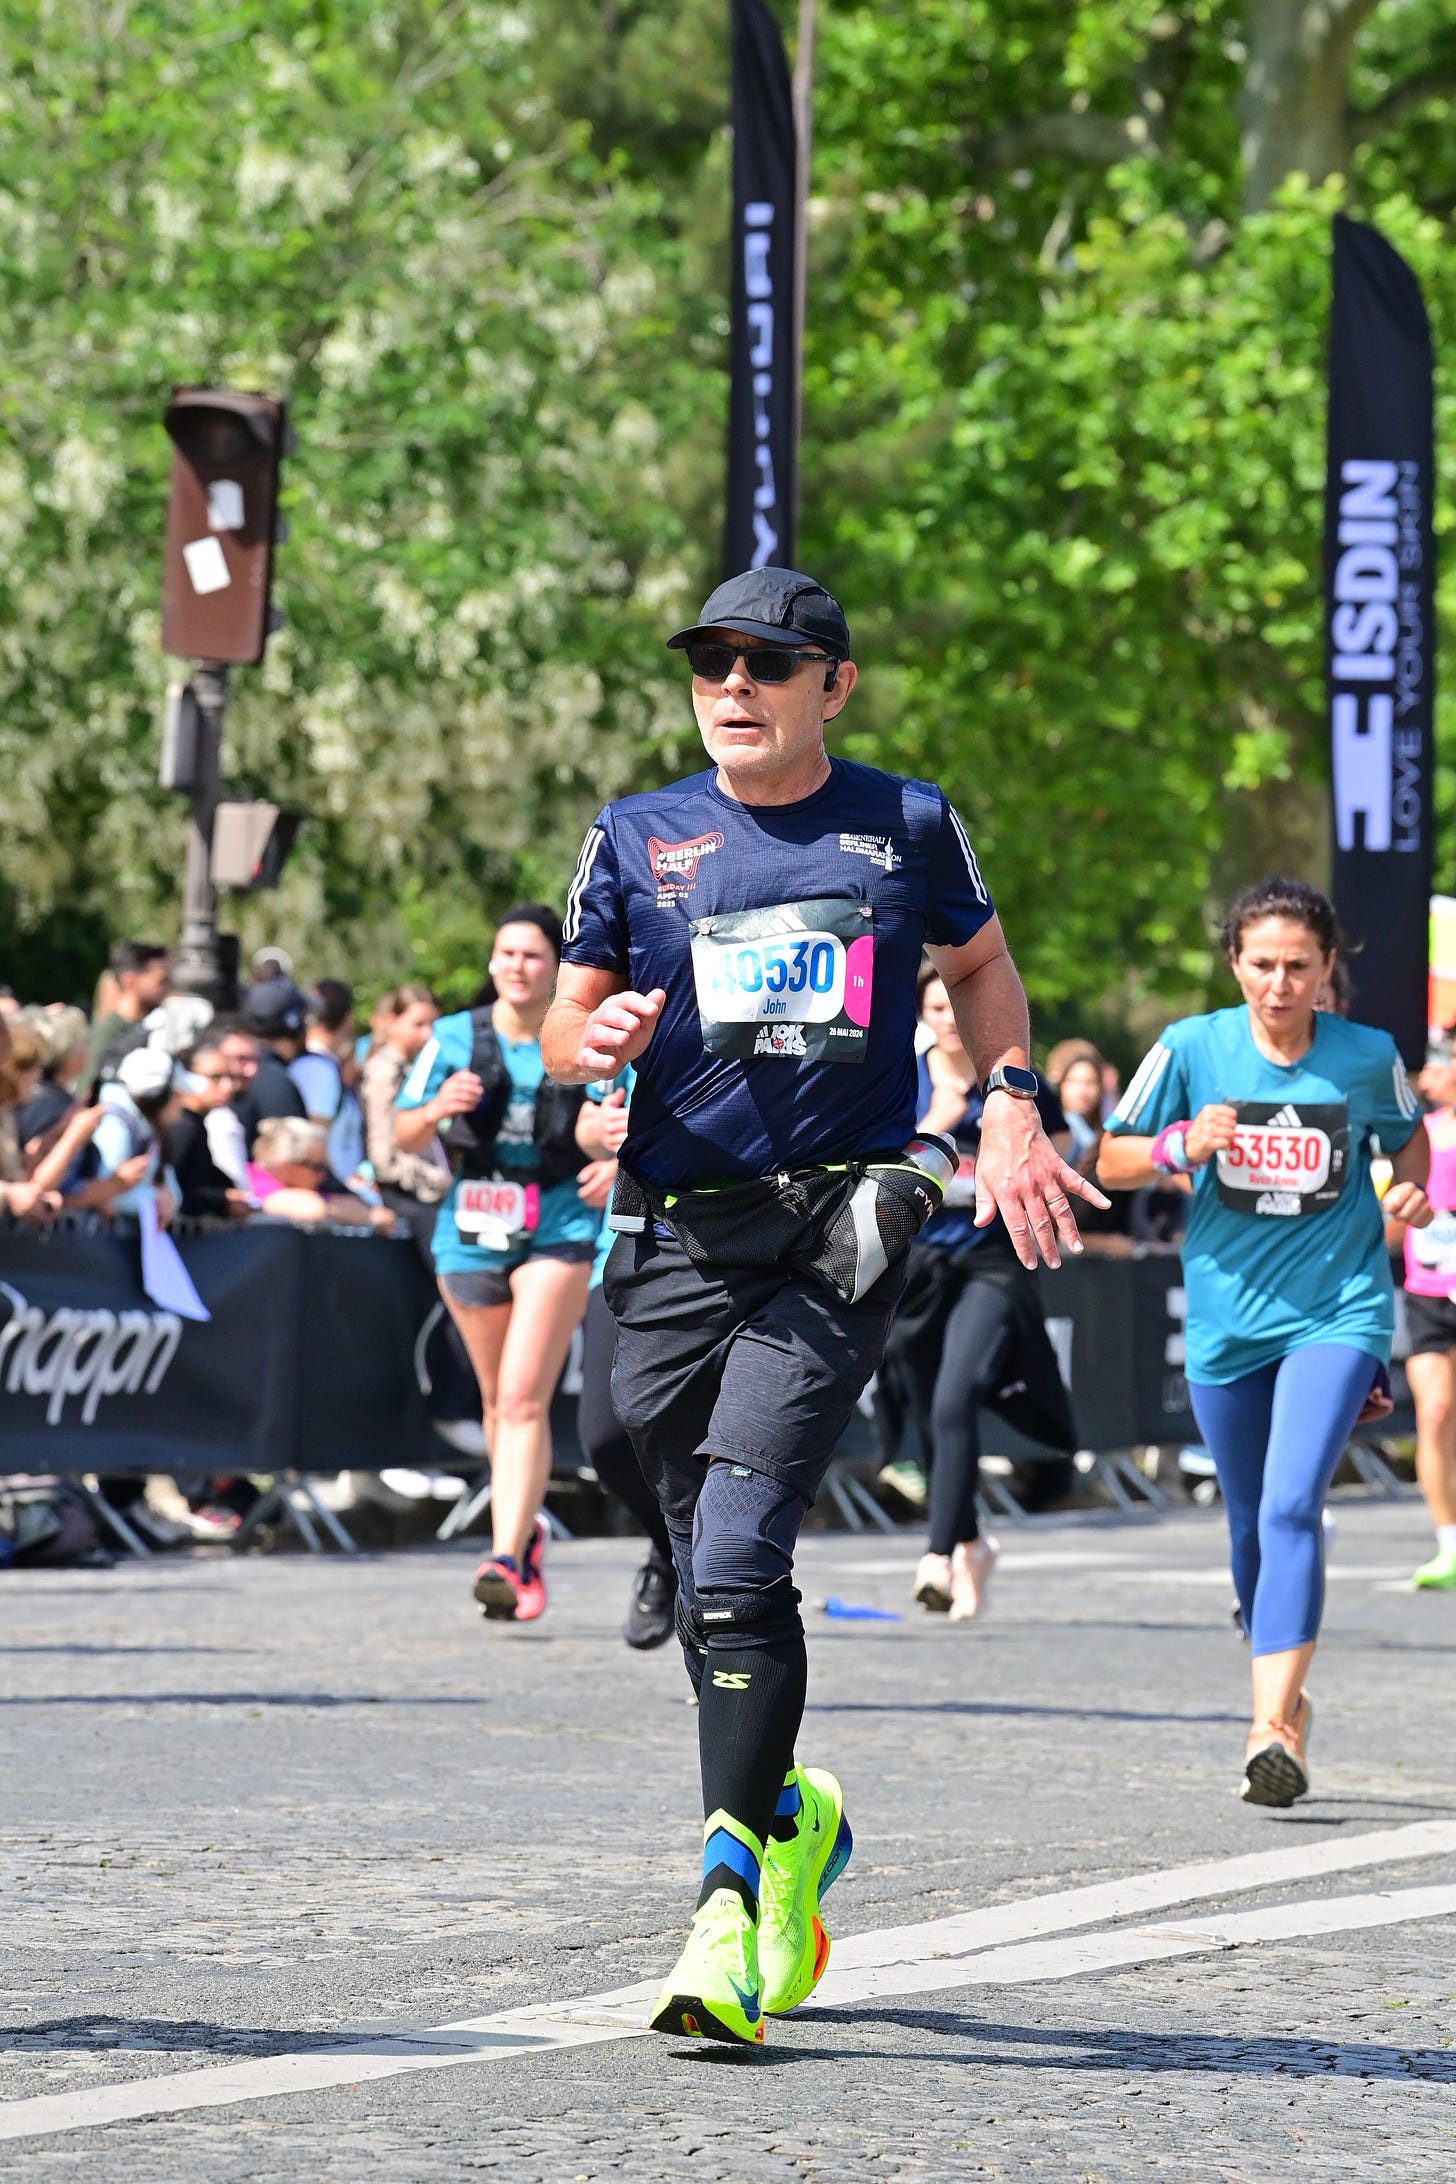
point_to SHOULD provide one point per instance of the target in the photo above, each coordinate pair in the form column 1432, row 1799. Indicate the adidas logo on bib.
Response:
column 1287, row 1118
column 1280, row 1202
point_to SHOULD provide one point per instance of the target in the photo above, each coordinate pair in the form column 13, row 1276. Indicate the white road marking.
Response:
column 1078, row 1954
column 1141, row 1893
column 1002, row 1945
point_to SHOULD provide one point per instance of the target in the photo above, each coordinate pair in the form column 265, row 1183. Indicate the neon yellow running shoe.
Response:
column 713, row 1991
column 1437, row 1575
column 793, row 1945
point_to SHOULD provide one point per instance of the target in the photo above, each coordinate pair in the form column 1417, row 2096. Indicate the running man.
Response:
column 1273, row 1110
column 1430, row 1310
column 750, row 937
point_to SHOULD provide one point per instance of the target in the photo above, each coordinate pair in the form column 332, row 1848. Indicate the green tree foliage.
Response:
column 400, row 216
column 1077, row 391
column 1064, row 432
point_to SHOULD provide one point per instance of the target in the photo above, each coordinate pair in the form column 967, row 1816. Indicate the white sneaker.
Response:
column 466, row 1435
column 970, row 1573
column 410, row 1485
column 155, row 1529
column 933, row 1584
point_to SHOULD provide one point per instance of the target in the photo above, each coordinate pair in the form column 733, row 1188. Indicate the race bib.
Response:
column 497, row 1216
column 1434, row 1248
column 1285, row 1160
column 792, row 982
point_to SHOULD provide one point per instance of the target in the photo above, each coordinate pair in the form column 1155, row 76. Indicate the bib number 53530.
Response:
column 1285, row 1160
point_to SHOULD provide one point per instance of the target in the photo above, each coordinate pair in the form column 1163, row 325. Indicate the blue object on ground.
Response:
column 853, row 1614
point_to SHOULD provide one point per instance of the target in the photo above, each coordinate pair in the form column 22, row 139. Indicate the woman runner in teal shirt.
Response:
column 1273, row 1111
column 514, row 1239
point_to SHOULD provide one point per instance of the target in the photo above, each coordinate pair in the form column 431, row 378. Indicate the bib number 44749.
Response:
column 497, row 1215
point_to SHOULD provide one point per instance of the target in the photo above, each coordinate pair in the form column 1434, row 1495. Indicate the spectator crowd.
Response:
column 288, row 1108
column 280, row 1109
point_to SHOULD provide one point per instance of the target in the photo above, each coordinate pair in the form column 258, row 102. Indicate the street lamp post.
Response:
column 197, row 965
column 217, row 572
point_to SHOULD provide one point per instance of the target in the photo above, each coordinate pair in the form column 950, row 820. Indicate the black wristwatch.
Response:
column 1022, row 1084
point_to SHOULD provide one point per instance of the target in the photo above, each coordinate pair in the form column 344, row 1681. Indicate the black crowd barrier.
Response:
column 308, row 1360
column 1117, row 1326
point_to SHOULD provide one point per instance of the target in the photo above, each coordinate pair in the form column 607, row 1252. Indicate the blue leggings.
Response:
column 1276, row 1436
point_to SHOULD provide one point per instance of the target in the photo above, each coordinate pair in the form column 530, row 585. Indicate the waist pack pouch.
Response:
column 773, row 1220
column 889, row 1205
column 847, row 1225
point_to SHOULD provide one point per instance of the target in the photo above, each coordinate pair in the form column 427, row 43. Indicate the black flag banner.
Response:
column 1380, row 627
column 762, row 403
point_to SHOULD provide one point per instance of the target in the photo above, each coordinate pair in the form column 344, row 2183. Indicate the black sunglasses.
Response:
column 765, row 663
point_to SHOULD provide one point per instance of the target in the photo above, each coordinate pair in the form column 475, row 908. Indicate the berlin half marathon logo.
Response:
column 82, row 1354
column 675, row 864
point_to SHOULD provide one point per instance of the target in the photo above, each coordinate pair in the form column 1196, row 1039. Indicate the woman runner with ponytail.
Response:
column 514, row 1240
column 1273, row 1111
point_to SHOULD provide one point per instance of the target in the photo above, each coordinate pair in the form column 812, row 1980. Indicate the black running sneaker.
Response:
column 650, row 1616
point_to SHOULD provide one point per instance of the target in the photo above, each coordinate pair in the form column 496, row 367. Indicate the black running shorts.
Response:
column 1432, row 1323
column 751, row 1364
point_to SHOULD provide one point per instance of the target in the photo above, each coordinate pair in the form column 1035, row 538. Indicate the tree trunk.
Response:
column 1294, row 109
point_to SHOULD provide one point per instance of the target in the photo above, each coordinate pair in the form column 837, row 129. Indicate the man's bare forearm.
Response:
column 991, row 1016
column 561, row 1043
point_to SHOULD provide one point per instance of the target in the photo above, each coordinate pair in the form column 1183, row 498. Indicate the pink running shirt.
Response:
column 1430, row 1253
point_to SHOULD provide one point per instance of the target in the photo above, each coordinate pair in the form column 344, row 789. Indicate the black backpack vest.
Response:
column 469, row 1140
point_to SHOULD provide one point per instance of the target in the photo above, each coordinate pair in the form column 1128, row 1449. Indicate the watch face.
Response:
column 1020, row 1080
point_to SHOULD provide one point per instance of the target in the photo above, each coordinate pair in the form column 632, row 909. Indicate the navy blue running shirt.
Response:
column 787, row 938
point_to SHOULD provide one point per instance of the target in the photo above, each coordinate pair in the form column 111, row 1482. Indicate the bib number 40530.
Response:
column 745, row 981
column 793, row 981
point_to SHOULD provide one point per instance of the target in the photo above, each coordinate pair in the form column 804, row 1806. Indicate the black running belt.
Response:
column 846, row 1223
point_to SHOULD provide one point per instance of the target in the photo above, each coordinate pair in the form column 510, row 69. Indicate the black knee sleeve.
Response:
column 688, row 1617
column 744, row 1531
column 747, row 1618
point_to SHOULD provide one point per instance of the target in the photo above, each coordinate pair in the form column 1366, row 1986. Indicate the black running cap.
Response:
column 778, row 605
column 274, row 1009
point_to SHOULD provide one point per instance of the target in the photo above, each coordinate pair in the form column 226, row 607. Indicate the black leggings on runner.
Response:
column 978, row 1339
column 604, row 1445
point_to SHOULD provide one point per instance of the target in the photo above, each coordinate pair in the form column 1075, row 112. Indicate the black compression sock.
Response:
column 784, row 1825
column 751, row 1705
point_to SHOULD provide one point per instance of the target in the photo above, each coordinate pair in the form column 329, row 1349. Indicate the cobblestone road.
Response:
column 250, row 1807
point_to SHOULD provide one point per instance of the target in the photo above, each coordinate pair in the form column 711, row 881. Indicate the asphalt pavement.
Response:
column 307, row 1872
